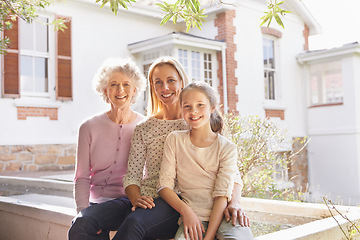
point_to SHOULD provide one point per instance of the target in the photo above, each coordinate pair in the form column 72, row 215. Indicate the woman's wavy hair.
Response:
column 125, row 66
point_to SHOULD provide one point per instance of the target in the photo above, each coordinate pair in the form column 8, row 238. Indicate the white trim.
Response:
column 331, row 131
column 223, row 59
column 173, row 39
column 304, row 13
column 327, row 54
column 273, row 105
column 147, row 10
column 36, row 102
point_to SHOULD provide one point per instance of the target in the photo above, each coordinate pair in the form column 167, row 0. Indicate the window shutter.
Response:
column 63, row 62
column 11, row 77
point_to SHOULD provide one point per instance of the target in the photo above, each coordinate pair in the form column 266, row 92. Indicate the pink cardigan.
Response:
column 102, row 156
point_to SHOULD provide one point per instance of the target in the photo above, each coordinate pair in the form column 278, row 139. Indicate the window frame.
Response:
column 202, row 69
column 49, row 55
column 275, row 70
column 319, row 69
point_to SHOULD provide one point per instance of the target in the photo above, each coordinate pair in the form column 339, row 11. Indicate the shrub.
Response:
column 263, row 149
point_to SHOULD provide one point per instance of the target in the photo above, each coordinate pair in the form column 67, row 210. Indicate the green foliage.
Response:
column 188, row 10
column 274, row 12
column 260, row 145
column 24, row 9
column 193, row 14
column 114, row 4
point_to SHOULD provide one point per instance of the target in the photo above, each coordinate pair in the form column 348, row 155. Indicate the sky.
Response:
column 339, row 20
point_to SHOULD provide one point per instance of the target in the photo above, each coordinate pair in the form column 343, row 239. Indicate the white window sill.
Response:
column 36, row 102
column 273, row 105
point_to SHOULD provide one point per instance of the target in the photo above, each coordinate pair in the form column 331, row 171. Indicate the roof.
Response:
column 326, row 54
column 176, row 38
column 299, row 8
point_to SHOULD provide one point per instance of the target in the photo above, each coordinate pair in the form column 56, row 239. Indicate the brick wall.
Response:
column 226, row 31
column 306, row 34
column 298, row 170
column 269, row 113
column 37, row 157
column 271, row 31
column 24, row 112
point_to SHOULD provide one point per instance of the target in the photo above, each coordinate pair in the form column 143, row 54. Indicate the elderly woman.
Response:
column 152, row 217
column 103, row 150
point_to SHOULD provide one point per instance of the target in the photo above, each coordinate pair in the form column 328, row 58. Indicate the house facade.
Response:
column 47, row 77
column 332, row 77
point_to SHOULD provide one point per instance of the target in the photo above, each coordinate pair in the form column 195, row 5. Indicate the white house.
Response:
column 332, row 80
column 47, row 90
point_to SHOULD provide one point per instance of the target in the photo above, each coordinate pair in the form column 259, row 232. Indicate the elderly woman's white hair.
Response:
column 125, row 66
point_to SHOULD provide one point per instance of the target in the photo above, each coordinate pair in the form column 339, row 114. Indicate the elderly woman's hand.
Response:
column 142, row 202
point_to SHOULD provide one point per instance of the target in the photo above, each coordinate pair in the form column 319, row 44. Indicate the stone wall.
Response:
column 37, row 157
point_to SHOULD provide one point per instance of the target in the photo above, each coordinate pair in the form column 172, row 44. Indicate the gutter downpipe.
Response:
column 223, row 57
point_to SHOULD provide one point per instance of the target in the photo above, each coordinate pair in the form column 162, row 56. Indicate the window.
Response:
column 34, row 57
column 195, row 66
column 38, row 61
column 326, row 83
column 269, row 68
column 208, row 69
column 183, row 58
column 201, row 67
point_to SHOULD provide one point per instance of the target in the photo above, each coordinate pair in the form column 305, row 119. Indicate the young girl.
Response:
column 203, row 162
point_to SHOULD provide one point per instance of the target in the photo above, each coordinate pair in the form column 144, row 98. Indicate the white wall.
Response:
column 249, row 72
column 334, row 157
column 96, row 35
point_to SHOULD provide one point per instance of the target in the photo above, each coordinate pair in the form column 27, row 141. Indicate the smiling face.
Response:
column 120, row 90
column 167, row 84
column 196, row 109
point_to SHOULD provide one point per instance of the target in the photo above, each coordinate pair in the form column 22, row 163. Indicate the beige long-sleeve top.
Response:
column 202, row 173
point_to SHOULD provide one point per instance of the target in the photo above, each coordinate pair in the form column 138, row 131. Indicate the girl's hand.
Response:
column 143, row 202
column 193, row 227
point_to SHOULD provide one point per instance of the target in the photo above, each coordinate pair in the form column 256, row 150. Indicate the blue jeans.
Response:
column 158, row 222
column 107, row 216
column 226, row 231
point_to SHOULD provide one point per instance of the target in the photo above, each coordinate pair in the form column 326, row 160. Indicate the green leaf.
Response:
column 122, row 4
column 266, row 18
column 104, row 2
column 175, row 18
column 188, row 26
column 166, row 18
column 278, row 20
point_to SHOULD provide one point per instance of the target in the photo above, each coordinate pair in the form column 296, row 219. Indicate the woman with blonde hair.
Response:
column 152, row 217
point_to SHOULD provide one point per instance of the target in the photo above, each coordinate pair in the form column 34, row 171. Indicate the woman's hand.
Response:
column 193, row 227
column 142, row 202
column 233, row 211
column 138, row 200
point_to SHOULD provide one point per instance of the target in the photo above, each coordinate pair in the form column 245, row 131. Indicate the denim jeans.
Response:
column 226, row 231
column 107, row 216
column 160, row 222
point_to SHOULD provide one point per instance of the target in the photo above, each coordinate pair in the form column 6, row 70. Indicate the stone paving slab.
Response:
column 40, row 187
column 45, row 199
